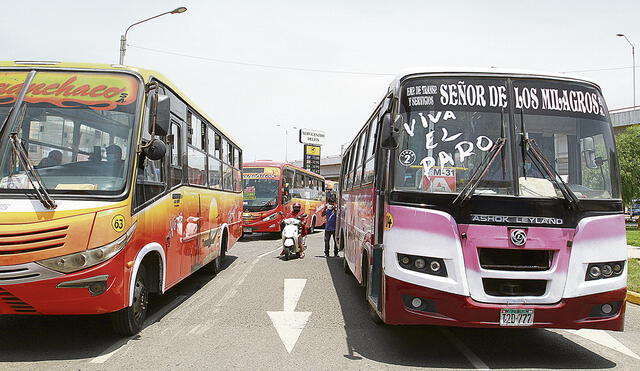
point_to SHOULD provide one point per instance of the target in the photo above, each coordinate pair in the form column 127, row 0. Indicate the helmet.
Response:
column 297, row 206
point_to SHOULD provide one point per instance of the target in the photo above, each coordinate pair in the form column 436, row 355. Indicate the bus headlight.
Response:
column 270, row 217
column 596, row 271
column 85, row 259
column 423, row 264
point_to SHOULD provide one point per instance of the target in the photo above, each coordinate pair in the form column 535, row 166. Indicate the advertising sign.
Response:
column 313, row 137
column 312, row 158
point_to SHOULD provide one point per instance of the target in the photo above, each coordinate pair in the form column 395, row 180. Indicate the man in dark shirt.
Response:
column 330, row 229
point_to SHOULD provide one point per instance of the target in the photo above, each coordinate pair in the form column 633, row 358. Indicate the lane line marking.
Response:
column 111, row 351
column 471, row 357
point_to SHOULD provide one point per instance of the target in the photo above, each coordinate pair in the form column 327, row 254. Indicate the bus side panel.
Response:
column 358, row 221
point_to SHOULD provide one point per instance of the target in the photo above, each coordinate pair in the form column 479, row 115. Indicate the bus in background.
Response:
column 486, row 199
column 269, row 190
column 113, row 186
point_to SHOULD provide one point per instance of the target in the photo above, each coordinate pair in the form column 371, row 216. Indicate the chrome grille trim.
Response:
column 24, row 273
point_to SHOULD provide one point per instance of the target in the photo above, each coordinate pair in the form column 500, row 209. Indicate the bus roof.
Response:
column 146, row 75
column 487, row 71
column 269, row 163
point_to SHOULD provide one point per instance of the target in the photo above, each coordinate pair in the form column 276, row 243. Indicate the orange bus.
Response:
column 113, row 185
column 270, row 188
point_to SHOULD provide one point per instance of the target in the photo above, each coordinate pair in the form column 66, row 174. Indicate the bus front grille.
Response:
column 30, row 241
column 514, row 287
column 515, row 260
column 14, row 303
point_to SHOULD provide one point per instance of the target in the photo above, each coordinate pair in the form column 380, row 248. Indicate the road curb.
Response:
column 633, row 297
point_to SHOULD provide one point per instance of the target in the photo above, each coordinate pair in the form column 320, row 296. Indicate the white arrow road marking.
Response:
column 603, row 338
column 289, row 323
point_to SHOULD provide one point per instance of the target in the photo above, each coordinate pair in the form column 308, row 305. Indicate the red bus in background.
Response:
column 270, row 188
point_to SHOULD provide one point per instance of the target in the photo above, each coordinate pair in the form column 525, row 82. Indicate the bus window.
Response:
column 287, row 183
column 215, row 173
column 175, row 176
column 369, row 165
column 230, row 154
column 298, row 185
column 196, row 138
column 227, row 177
column 197, row 173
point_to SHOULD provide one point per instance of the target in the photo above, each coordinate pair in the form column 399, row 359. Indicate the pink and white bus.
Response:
column 486, row 198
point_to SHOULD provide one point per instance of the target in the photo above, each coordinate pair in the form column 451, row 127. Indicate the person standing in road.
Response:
column 330, row 229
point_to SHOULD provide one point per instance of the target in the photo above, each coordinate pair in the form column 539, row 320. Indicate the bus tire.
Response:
column 373, row 314
column 345, row 264
column 128, row 321
column 213, row 267
column 223, row 247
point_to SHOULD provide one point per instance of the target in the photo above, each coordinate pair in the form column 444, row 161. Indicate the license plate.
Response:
column 247, row 230
column 516, row 317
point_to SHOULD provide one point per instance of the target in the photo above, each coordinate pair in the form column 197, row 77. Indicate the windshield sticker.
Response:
column 99, row 91
column 440, row 180
column 249, row 193
column 407, row 157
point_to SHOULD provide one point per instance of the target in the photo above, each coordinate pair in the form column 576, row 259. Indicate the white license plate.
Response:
column 516, row 317
column 247, row 230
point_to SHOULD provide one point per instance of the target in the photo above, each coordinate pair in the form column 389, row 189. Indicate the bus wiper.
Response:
column 16, row 114
column 481, row 170
column 32, row 173
column 530, row 148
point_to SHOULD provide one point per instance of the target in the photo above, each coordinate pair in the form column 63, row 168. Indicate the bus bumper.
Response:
column 260, row 226
column 446, row 309
column 69, row 294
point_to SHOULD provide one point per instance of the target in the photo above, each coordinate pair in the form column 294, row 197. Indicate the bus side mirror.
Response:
column 163, row 115
column 388, row 133
column 155, row 150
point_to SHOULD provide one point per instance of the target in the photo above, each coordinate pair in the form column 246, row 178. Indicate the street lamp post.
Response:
column 633, row 57
column 123, row 38
column 286, row 138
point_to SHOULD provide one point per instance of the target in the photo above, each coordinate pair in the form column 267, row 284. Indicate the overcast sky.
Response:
column 379, row 37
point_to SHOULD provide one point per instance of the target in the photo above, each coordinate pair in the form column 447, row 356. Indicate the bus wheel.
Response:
column 372, row 311
column 129, row 320
column 214, row 267
column 345, row 264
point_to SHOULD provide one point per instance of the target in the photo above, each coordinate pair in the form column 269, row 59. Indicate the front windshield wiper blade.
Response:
column 16, row 114
column 481, row 170
column 32, row 173
column 531, row 149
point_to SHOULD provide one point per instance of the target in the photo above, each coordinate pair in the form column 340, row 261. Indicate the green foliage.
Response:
column 633, row 236
column 628, row 143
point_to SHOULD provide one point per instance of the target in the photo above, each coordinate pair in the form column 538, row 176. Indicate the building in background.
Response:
column 329, row 167
column 622, row 118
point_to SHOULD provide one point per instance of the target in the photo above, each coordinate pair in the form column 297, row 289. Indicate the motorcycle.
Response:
column 290, row 233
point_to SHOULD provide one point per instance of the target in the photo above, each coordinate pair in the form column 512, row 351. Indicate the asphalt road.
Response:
column 222, row 323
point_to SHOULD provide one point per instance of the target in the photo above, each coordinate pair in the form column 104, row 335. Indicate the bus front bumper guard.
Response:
column 447, row 309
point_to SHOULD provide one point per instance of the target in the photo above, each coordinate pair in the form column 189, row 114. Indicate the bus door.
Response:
column 175, row 211
column 192, row 226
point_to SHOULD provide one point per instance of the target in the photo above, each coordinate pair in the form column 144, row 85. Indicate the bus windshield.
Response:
column 450, row 124
column 260, row 189
column 75, row 127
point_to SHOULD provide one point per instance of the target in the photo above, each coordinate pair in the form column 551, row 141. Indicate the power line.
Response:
column 601, row 69
column 276, row 67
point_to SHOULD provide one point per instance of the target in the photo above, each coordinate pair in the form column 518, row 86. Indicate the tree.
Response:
column 628, row 143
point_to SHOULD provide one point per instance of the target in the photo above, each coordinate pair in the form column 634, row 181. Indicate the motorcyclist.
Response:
column 296, row 212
